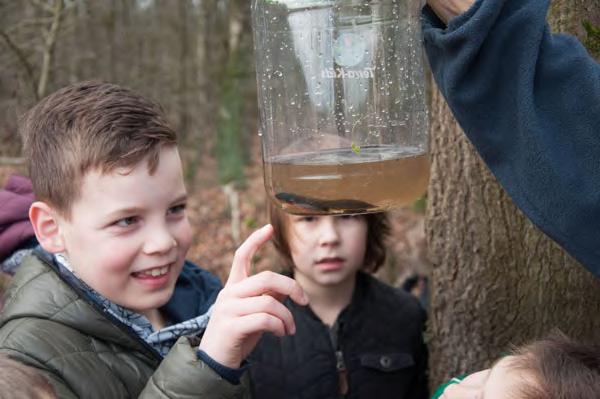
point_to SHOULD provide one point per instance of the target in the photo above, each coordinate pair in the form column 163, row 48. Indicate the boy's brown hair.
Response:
column 378, row 229
column 87, row 126
column 560, row 367
column 18, row 381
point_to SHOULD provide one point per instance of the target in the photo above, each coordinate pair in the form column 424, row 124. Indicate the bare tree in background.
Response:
column 496, row 280
column 49, row 20
column 194, row 57
column 32, row 60
column 174, row 52
column 232, row 108
column 50, row 37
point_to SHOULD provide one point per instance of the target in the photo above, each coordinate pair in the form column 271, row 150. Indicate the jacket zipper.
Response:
column 335, row 332
column 342, row 372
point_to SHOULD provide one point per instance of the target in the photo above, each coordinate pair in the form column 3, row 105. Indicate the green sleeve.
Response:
column 440, row 390
column 182, row 375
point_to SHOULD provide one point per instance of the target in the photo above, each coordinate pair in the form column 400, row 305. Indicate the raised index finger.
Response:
column 243, row 255
column 273, row 284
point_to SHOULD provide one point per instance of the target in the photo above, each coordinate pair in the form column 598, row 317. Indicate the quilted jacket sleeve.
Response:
column 182, row 375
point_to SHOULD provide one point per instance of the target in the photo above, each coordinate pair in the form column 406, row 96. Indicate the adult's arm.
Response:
column 529, row 101
column 448, row 9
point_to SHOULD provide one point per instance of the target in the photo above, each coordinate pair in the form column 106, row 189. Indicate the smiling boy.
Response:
column 138, row 250
column 110, row 308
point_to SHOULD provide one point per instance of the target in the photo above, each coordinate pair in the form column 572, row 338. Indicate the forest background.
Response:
column 495, row 280
column 196, row 59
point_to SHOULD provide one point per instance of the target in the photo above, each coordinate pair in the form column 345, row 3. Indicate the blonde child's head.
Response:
column 554, row 367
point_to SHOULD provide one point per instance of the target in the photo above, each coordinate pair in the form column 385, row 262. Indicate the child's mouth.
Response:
column 330, row 264
column 154, row 273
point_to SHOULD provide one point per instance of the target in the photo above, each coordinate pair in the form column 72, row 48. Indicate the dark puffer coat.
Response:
column 379, row 353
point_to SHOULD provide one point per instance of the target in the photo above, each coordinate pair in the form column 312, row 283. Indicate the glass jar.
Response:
column 342, row 103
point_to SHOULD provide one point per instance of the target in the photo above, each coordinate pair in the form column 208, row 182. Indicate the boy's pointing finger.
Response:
column 243, row 255
column 270, row 283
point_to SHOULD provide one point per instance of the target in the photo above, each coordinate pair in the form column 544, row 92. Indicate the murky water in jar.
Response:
column 369, row 179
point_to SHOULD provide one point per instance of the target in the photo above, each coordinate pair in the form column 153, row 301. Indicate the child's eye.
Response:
column 177, row 209
column 126, row 222
column 308, row 219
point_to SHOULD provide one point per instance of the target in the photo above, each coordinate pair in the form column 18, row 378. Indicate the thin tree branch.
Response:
column 49, row 47
column 12, row 160
column 23, row 59
column 43, row 6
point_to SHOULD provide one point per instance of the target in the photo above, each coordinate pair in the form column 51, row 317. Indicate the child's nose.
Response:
column 160, row 240
column 328, row 231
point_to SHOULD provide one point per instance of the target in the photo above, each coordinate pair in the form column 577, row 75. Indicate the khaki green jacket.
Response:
column 48, row 325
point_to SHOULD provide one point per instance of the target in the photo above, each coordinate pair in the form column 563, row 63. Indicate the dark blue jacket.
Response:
column 529, row 101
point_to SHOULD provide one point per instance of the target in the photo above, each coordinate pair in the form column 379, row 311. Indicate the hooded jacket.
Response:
column 84, row 352
column 529, row 101
column 15, row 228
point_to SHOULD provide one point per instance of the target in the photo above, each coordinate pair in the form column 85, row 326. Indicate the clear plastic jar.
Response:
column 341, row 94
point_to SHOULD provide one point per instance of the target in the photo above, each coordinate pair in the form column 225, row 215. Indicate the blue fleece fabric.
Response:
column 196, row 290
column 529, row 101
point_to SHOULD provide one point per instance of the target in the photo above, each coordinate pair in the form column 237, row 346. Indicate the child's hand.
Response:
column 246, row 306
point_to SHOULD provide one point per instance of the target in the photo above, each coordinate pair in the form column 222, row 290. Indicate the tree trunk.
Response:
column 233, row 200
column 48, row 50
column 496, row 279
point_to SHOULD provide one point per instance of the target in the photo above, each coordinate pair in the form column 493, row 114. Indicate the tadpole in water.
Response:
column 305, row 205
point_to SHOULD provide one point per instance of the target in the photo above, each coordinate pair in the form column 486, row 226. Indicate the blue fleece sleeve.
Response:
column 529, row 101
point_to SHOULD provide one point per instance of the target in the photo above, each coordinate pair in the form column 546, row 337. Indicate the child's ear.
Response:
column 46, row 227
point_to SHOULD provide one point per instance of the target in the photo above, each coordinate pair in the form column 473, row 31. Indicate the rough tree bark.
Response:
column 496, row 279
